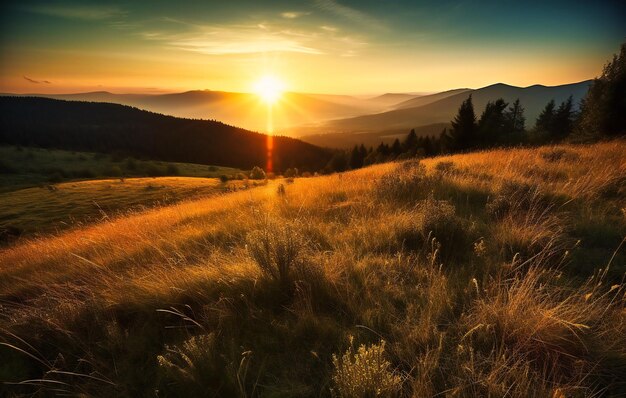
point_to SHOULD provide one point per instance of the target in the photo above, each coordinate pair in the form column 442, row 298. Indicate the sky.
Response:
column 318, row 46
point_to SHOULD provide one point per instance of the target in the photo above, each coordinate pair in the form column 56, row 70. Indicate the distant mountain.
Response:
column 373, row 139
column 392, row 100
column 442, row 110
column 427, row 99
column 240, row 109
column 106, row 127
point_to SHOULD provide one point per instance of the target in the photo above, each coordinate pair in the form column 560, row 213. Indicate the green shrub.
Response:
column 223, row 178
column 290, row 173
column 365, row 373
column 114, row 171
column 257, row 173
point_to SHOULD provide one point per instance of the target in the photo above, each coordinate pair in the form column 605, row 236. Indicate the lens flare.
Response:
column 269, row 89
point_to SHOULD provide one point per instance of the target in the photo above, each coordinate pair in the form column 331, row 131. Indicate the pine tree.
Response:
column 445, row 141
column 515, row 117
column 545, row 121
column 563, row 121
column 410, row 142
column 356, row 161
column 428, row 146
column 362, row 154
column 463, row 132
column 603, row 110
column 396, row 148
column 492, row 124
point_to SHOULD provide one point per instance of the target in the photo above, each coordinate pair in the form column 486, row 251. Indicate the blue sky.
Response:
column 336, row 46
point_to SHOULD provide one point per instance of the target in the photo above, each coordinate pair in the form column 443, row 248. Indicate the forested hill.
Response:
column 106, row 127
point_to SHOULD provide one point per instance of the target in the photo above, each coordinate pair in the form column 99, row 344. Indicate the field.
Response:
column 496, row 273
column 55, row 207
column 22, row 167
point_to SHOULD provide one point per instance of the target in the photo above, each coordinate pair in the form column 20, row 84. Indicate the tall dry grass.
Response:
column 478, row 271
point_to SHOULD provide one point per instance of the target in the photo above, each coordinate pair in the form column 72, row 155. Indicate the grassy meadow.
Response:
column 23, row 167
column 55, row 207
column 496, row 273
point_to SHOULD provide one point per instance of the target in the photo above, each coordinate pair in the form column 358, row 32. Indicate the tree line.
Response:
column 601, row 114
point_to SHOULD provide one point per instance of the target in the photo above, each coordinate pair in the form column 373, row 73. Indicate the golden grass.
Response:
column 66, row 205
column 494, row 309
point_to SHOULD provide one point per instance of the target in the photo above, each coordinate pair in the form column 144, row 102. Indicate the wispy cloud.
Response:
column 236, row 39
column 243, row 45
column 251, row 38
column 84, row 12
column 349, row 13
column 36, row 81
column 293, row 14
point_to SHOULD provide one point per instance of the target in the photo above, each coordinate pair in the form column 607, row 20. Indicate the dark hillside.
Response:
column 105, row 127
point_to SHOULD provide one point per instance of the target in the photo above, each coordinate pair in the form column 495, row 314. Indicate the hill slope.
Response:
column 253, row 292
column 104, row 127
column 240, row 109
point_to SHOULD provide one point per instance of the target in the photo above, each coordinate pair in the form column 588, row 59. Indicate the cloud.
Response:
column 84, row 12
column 237, row 39
column 36, row 81
column 293, row 14
column 254, row 38
column 349, row 13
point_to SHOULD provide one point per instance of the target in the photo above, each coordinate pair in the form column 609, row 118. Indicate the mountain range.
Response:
column 338, row 120
column 243, row 109
column 429, row 114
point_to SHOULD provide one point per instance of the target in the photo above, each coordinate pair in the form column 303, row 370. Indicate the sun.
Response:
column 269, row 89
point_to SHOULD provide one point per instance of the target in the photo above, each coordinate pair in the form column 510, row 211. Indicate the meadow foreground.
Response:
column 495, row 273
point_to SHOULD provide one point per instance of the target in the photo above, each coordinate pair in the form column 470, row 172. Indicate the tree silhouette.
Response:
column 492, row 124
column 396, row 148
column 515, row 117
column 463, row 132
column 603, row 110
column 545, row 119
column 410, row 142
column 563, row 121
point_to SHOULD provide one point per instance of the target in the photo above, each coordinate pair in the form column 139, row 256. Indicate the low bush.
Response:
column 195, row 368
column 277, row 248
column 290, row 173
column 257, row 173
column 365, row 373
